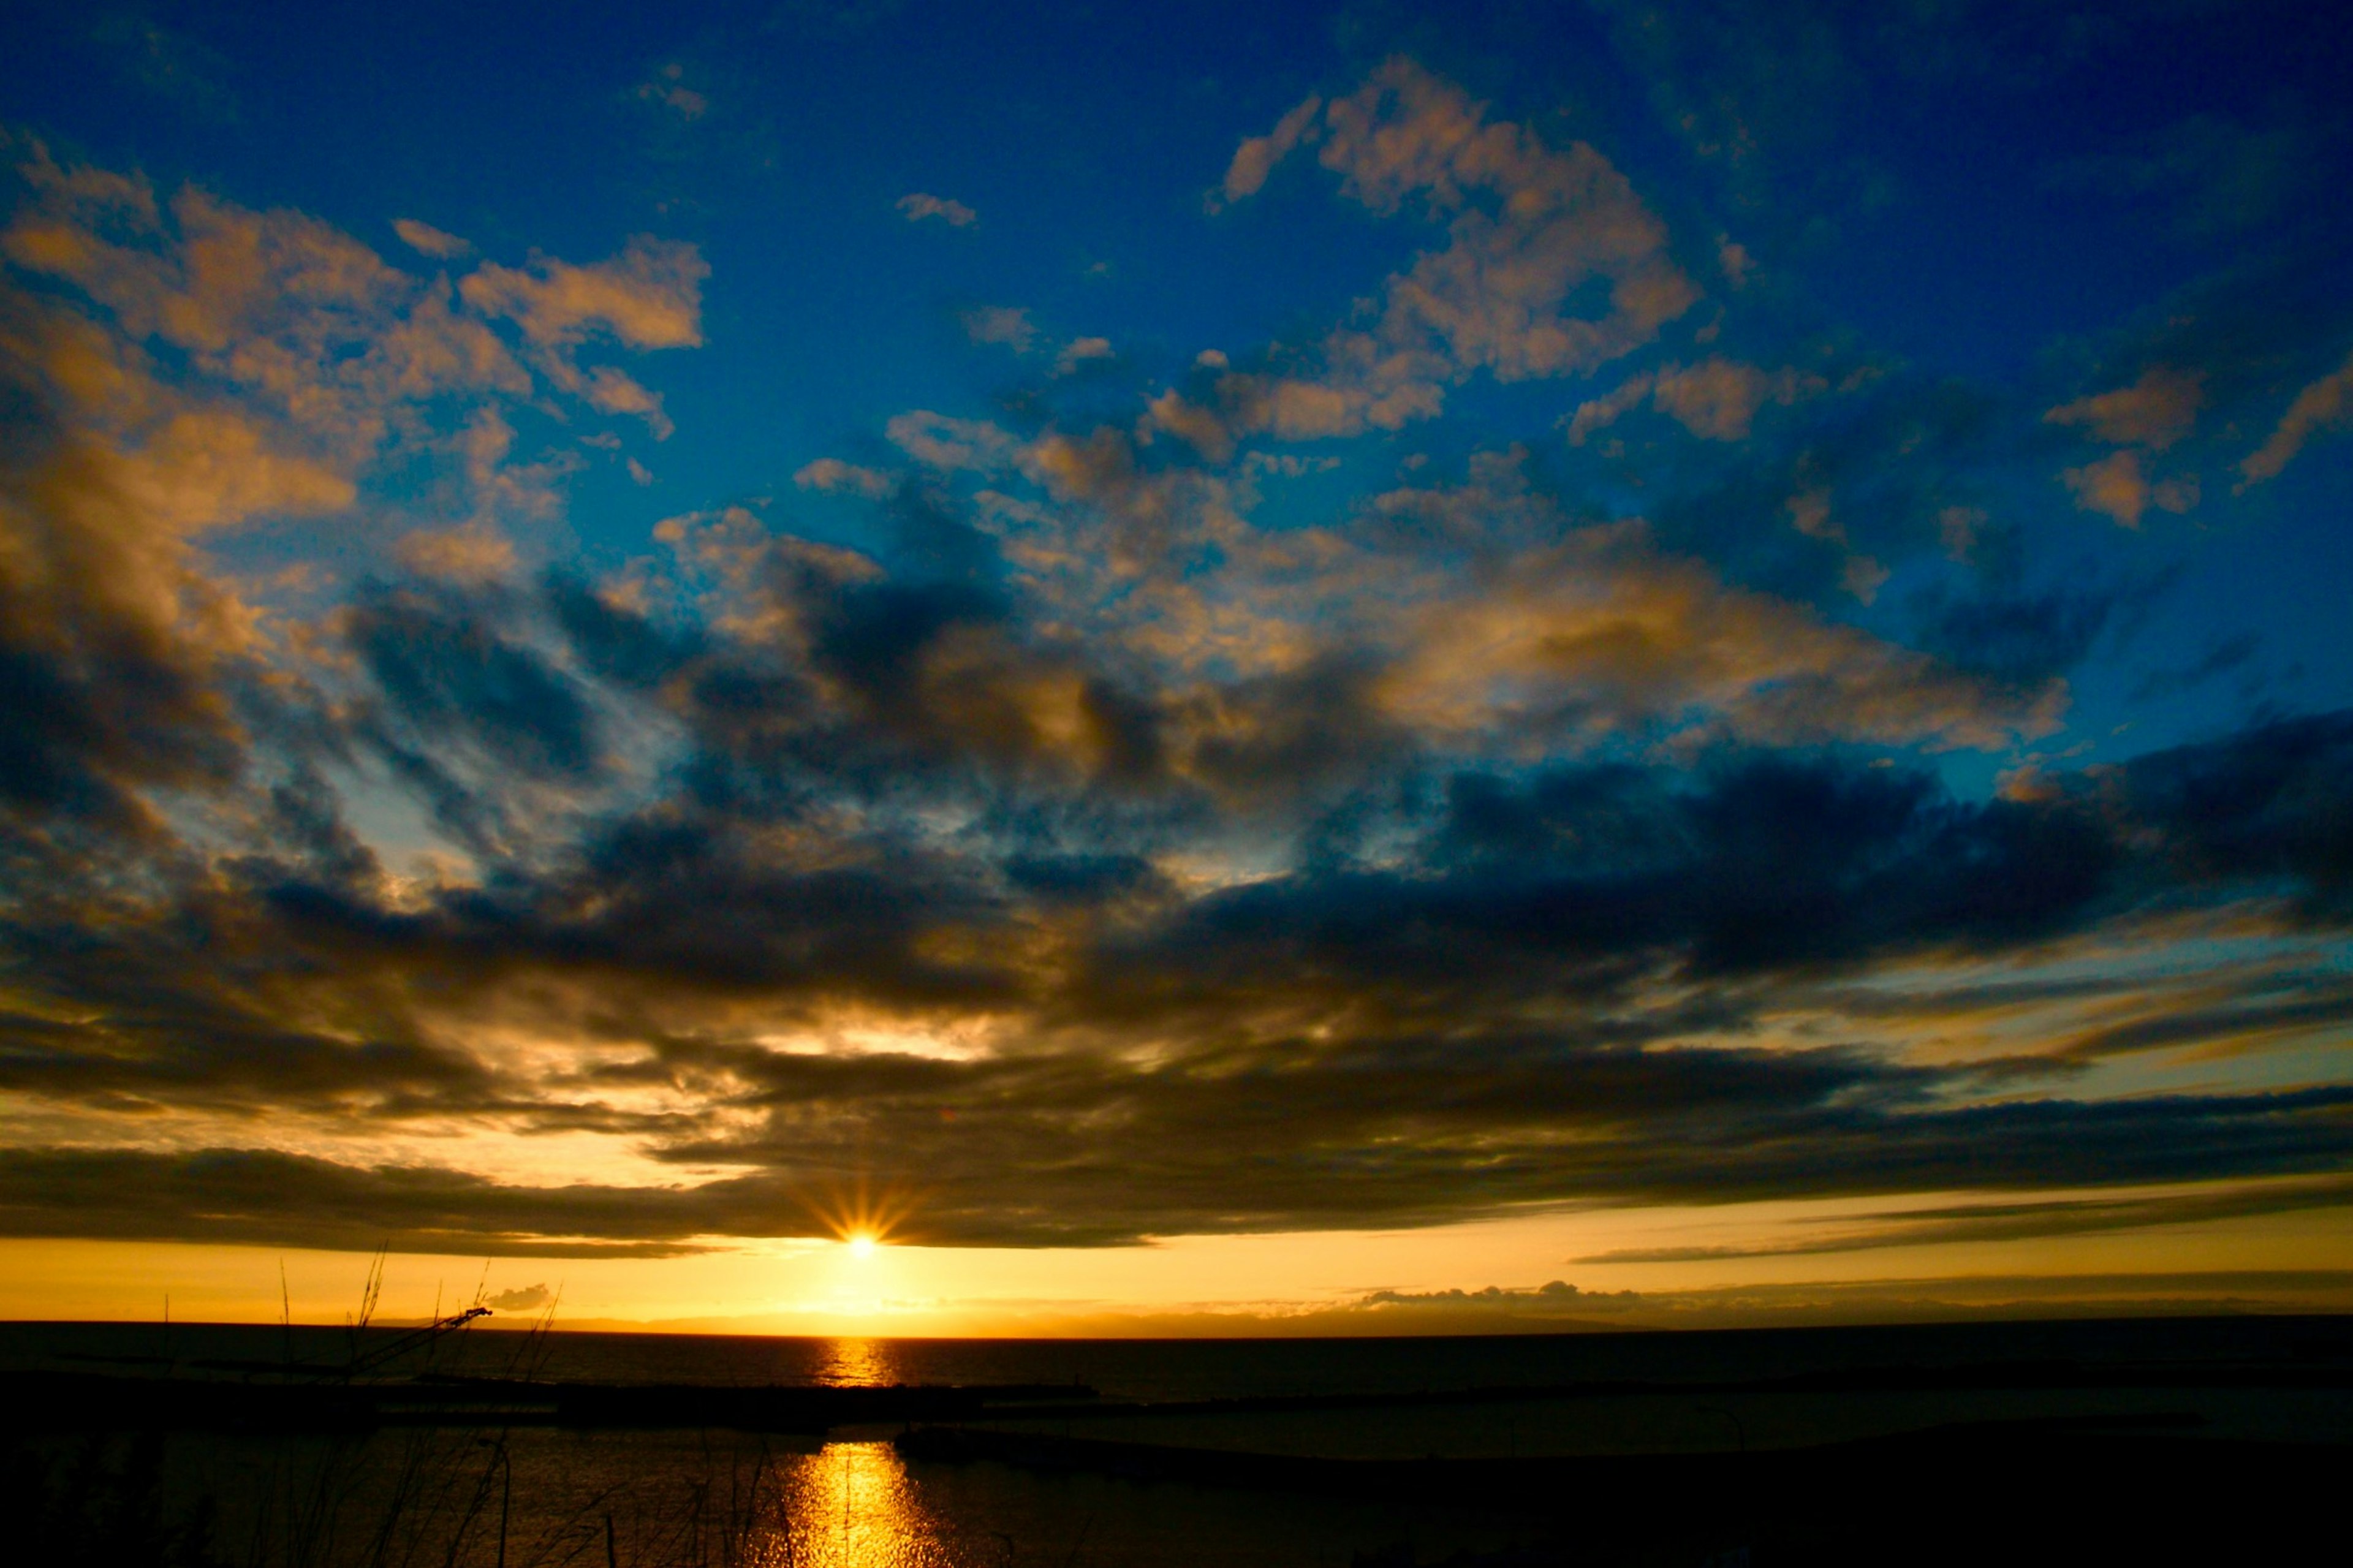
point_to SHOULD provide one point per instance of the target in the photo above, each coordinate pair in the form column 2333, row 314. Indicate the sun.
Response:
column 861, row 1219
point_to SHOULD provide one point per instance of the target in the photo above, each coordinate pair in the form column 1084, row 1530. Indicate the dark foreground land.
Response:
column 2241, row 1452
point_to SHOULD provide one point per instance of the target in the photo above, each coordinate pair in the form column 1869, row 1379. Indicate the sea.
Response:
column 542, row 1496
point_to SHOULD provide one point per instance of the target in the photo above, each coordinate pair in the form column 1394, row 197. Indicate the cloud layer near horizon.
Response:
column 1090, row 854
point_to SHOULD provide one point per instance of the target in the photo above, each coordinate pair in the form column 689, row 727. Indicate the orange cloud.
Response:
column 2154, row 412
column 835, row 477
column 1600, row 636
column 1005, row 326
column 2116, row 487
column 208, row 367
column 458, row 554
column 917, row 205
column 649, row 297
column 1717, row 399
column 426, row 240
column 2325, row 404
column 667, row 87
column 1497, row 296
column 1078, row 351
column 947, row 443
column 1258, row 156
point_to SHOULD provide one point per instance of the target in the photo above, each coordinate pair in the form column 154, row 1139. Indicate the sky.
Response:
column 1205, row 669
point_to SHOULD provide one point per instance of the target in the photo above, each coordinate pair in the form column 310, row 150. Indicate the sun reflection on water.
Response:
column 852, row 1506
column 862, row 1363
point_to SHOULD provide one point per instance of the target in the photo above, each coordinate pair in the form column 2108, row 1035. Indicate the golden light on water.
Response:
column 861, row 1364
column 852, row 1506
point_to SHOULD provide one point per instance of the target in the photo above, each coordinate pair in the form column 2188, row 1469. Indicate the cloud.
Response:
column 2145, row 418
column 1598, row 413
column 1078, row 352
column 1554, row 1306
column 837, row 478
column 1998, row 1220
column 917, row 205
column 458, row 554
column 1537, row 992
column 1476, row 844
column 191, row 372
column 426, row 240
column 2023, row 641
column 230, row 1194
column 1715, row 400
column 945, row 442
column 2258, row 803
column 667, row 87
column 649, row 297
column 1003, row 325
column 1532, row 1123
column 1530, row 229
column 1735, row 261
column 2221, row 176
column 1583, row 639
column 529, row 1299
column 1258, row 156
column 2224, row 657
column 2155, row 411
column 170, row 63
column 300, row 359
column 2324, row 405
column 2116, row 487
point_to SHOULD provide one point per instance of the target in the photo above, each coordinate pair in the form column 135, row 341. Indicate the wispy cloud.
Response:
column 667, row 87
column 838, row 478
column 426, row 240
column 1716, row 400
column 917, row 205
column 1001, row 326
column 2323, row 405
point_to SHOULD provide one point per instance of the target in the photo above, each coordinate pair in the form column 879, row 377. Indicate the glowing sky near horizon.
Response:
column 1207, row 666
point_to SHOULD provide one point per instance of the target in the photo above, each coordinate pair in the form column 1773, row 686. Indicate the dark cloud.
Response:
column 616, row 643
column 2274, row 804
column 1755, row 864
column 2220, row 175
column 1411, row 1134
column 98, row 697
column 166, row 61
column 2019, row 1221
column 1464, row 987
column 245, row 1195
column 2228, row 654
column 447, row 672
column 2021, row 638
column 527, row 1299
column 1456, row 1004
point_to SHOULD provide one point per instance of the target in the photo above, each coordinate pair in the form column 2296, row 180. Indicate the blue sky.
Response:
column 598, row 589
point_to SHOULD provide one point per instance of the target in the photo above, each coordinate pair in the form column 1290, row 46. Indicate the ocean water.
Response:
column 1204, row 1369
column 649, row 1500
